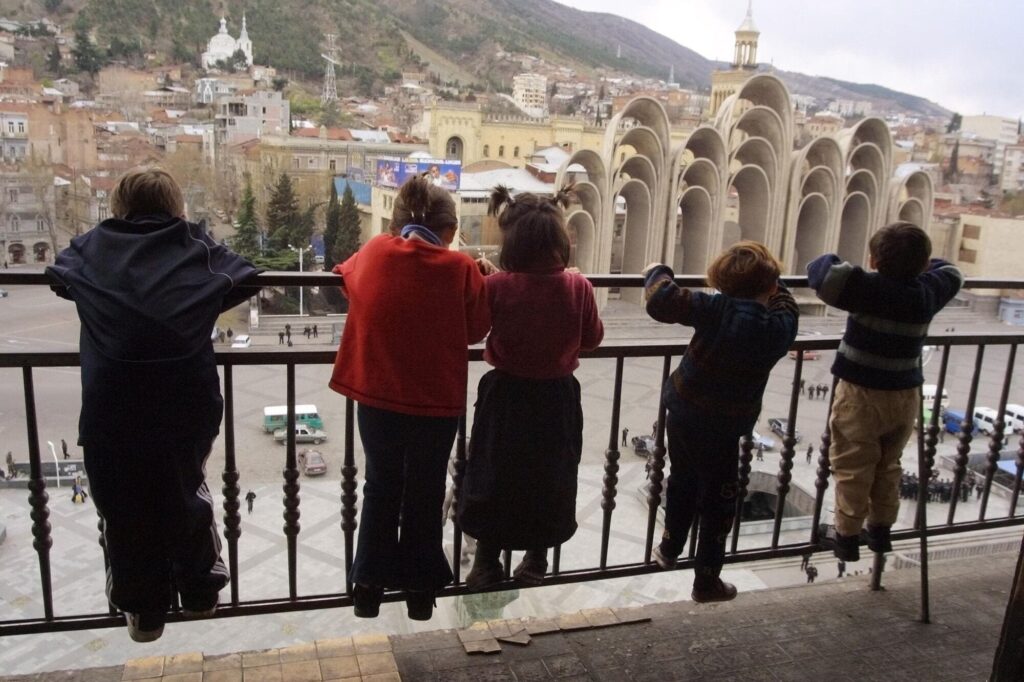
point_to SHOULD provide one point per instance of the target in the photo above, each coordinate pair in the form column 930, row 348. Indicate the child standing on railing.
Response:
column 714, row 397
column 415, row 306
column 148, row 286
column 879, row 369
column 519, row 489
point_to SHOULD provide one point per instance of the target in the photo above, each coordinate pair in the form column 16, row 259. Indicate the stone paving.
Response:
column 839, row 631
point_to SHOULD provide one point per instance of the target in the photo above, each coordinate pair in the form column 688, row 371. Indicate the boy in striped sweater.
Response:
column 879, row 371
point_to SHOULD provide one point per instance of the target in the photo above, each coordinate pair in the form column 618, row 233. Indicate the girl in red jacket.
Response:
column 519, row 490
column 414, row 307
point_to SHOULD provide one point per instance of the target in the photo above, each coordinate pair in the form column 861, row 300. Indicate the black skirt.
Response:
column 519, row 488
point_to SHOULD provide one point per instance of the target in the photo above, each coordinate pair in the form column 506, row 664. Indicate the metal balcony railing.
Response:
column 991, row 514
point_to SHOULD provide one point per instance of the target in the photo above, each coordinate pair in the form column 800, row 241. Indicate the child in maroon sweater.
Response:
column 519, row 490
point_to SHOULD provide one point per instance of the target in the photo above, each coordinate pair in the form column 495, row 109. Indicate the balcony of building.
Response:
column 938, row 615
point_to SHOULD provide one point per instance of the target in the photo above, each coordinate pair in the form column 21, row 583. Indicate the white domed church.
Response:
column 222, row 46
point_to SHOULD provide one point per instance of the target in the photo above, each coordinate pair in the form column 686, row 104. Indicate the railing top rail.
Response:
column 317, row 279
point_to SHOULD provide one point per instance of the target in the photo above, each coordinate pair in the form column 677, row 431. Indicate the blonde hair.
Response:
column 746, row 269
column 148, row 190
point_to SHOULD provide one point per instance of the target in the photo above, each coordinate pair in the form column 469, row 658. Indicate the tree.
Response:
column 54, row 64
column 954, row 123
column 953, row 170
column 247, row 227
column 332, row 227
column 283, row 217
column 279, row 83
column 349, row 229
column 87, row 56
column 330, row 116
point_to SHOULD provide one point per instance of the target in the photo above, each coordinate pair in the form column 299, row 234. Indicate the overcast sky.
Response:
column 967, row 55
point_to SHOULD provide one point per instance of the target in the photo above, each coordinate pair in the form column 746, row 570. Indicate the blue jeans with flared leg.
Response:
column 400, row 527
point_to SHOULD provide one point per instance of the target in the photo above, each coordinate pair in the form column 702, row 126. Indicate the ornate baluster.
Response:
column 349, row 496
column 291, row 491
column 611, row 466
column 746, row 456
column 824, row 465
column 788, row 452
column 963, row 447
column 232, row 519
column 106, row 557
column 1017, row 479
column 38, row 497
column 656, row 464
column 931, row 430
column 995, row 445
column 460, row 471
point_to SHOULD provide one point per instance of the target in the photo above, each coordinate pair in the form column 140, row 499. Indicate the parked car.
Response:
column 779, row 426
column 764, row 441
column 303, row 434
column 3, row 293
column 312, row 462
column 808, row 354
column 241, row 341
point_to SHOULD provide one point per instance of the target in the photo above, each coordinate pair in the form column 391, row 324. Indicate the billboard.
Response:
column 441, row 172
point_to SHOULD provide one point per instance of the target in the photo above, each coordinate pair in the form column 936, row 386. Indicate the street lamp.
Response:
column 300, row 251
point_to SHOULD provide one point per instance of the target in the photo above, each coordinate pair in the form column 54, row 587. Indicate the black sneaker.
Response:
column 845, row 547
column 144, row 627
column 366, row 600
column 711, row 590
column 484, row 574
column 420, row 604
column 665, row 560
column 878, row 538
column 532, row 569
column 199, row 606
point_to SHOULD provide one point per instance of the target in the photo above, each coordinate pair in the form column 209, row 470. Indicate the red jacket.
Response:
column 414, row 310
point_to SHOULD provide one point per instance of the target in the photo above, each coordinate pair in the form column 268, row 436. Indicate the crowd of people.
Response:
column 415, row 304
column 940, row 489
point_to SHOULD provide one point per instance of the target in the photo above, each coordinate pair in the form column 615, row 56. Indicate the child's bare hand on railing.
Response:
column 486, row 266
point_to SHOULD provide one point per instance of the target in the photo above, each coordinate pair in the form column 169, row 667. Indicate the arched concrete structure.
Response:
column 583, row 234
column 637, row 232
column 855, row 228
column 754, row 190
column 816, row 170
column 693, row 252
column 812, row 231
column 912, row 190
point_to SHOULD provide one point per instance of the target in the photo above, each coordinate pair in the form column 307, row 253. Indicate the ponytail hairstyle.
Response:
column 421, row 203
column 533, row 234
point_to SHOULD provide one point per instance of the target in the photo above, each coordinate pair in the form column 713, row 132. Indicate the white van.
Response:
column 928, row 395
column 985, row 420
column 1014, row 417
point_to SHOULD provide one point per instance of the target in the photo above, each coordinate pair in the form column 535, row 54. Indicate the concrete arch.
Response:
column 812, row 232
column 854, row 228
column 592, row 163
column 646, row 143
column 913, row 186
column 762, row 90
column 863, row 181
column 707, row 143
column 821, row 180
column 583, row 236
column 872, row 131
column 637, row 231
column 647, row 112
column 912, row 211
column 754, row 193
column 638, row 168
column 693, row 251
column 704, row 174
column 764, row 123
column 757, row 151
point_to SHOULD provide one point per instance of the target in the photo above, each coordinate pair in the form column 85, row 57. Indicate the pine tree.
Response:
column 349, row 230
column 247, row 228
column 53, row 62
column 953, row 171
column 87, row 55
column 283, row 217
column 332, row 226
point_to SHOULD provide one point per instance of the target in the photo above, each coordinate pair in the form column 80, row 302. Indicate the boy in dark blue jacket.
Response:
column 148, row 286
column 879, row 369
column 714, row 397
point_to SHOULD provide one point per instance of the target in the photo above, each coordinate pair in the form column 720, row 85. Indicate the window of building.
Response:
column 21, row 126
column 15, row 223
column 501, row 151
column 10, row 126
column 968, row 255
column 40, row 223
column 104, row 212
column 310, row 161
column 295, row 162
column 515, row 152
column 487, row 150
column 972, row 231
column 12, row 195
column 332, row 164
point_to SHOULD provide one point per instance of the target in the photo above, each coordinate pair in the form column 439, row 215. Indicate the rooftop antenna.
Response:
column 330, row 90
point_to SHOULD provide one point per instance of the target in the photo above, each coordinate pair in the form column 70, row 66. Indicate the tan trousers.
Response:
column 869, row 429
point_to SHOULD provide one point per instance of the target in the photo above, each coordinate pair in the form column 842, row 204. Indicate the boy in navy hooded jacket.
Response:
column 148, row 286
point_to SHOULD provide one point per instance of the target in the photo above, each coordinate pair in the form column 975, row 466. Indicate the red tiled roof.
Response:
column 188, row 138
column 332, row 133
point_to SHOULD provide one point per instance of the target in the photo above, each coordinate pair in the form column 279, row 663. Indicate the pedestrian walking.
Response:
column 625, row 435
column 760, row 452
column 307, row 331
column 280, row 338
column 803, row 383
column 231, row 332
column 842, row 568
column 805, row 560
column 811, row 572
column 249, row 498
column 64, row 448
column 315, row 333
column 810, row 453
column 824, row 391
column 288, row 332
column 289, row 343
column 10, row 465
